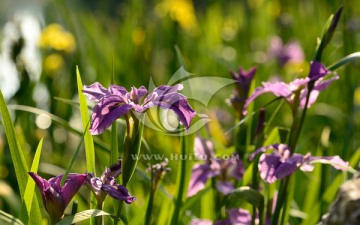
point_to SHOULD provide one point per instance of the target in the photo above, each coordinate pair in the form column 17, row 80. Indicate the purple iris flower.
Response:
column 281, row 163
column 242, row 86
column 286, row 53
column 223, row 169
column 116, row 101
column 106, row 185
column 55, row 197
column 298, row 86
column 235, row 217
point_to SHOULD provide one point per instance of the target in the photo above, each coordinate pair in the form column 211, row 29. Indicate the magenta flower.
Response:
column 223, row 169
column 281, row 163
column 242, row 86
column 106, row 185
column 56, row 198
column 297, row 87
column 284, row 53
column 116, row 101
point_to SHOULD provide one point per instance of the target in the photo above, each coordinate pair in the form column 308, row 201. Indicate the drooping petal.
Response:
column 225, row 187
column 95, row 91
column 319, row 86
column 239, row 216
column 167, row 97
column 267, row 166
column 278, row 89
column 119, row 192
column 199, row 176
column 106, row 112
column 335, row 161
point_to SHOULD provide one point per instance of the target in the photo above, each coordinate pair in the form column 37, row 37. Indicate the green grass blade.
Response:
column 85, row 118
column 30, row 186
column 84, row 215
column 17, row 155
column 18, row 158
column 7, row 219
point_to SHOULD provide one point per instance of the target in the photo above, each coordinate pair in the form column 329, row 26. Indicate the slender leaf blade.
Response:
column 30, row 186
column 85, row 118
column 18, row 158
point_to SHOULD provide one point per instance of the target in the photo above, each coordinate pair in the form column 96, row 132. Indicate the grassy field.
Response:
column 165, row 42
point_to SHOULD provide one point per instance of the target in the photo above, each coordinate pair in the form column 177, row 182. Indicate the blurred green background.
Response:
column 43, row 41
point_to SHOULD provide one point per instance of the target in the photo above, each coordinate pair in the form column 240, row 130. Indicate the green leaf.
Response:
column 84, row 215
column 248, row 194
column 7, row 219
column 17, row 155
column 85, row 118
column 132, row 151
column 30, row 186
column 18, row 158
column 347, row 59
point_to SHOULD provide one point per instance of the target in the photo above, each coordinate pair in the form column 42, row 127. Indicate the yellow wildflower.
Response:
column 54, row 36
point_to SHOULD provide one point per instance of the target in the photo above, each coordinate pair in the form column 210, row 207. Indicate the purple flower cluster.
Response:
column 297, row 87
column 281, row 162
column 56, row 197
column 222, row 169
column 116, row 101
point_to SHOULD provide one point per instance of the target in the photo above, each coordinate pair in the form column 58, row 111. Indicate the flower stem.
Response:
column 280, row 200
column 151, row 198
column 181, row 182
column 99, row 219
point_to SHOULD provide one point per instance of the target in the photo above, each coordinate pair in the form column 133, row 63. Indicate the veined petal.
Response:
column 106, row 112
column 335, row 161
column 167, row 97
column 278, row 89
column 267, row 166
column 199, row 176
column 95, row 91
column 119, row 192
